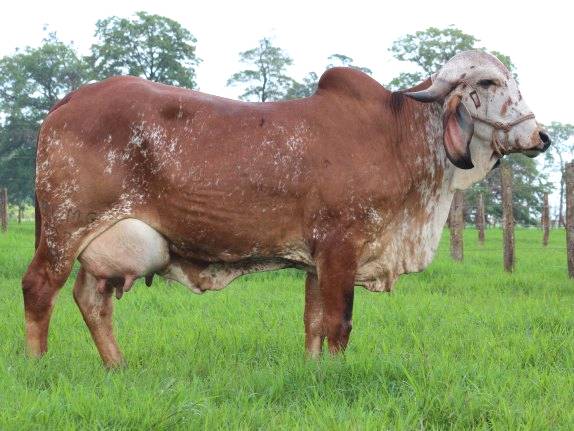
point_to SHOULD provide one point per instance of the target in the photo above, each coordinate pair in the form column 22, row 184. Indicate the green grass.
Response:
column 462, row 346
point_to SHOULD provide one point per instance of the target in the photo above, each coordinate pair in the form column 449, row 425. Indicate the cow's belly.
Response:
column 214, row 227
column 131, row 249
column 201, row 277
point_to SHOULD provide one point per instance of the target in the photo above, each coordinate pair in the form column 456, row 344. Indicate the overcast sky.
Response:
column 538, row 38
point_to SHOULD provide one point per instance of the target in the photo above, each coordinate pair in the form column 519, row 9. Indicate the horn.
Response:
column 446, row 78
column 437, row 91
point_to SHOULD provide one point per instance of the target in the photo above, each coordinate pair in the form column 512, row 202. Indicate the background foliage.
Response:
column 151, row 46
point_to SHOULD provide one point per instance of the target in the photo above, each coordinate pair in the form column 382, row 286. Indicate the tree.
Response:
column 150, row 46
column 311, row 80
column 17, row 166
column 306, row 88
column 560, row 151
column 31, row 81
column 405, row 80
column 528, row 188
column 267, row 80
column 429, row 50
column 341, row 60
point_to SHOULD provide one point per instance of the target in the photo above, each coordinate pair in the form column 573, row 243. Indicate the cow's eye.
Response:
column 486, row 83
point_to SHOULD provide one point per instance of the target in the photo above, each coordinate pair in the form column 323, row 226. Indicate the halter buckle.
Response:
column 474, row 96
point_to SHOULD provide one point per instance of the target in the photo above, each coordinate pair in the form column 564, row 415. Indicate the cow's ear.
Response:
column 458, row 127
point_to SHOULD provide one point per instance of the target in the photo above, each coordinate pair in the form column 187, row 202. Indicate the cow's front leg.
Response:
column 314, row 333
column 336, row 268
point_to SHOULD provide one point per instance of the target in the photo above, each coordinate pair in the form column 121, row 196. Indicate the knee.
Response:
column 339, row 328
column 33, row 281
column 37, row 290
column 345, row 328
column 313, row 322
column 34, row 300
column 28, row 282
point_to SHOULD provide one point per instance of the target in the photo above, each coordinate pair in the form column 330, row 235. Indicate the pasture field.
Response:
column 460, row 346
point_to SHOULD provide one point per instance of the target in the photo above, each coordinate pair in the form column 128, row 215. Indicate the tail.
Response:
column 38, row 218
column 37, row 215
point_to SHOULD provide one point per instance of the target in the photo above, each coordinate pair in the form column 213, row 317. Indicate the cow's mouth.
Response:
column 541, row 148
column 532, row 153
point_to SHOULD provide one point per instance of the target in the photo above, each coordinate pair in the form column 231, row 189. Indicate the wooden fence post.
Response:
column 545, row 220
column 507, row 216
column 569, row 171
column 4, row 209
column 480, row 219
column 562, row 187
column 456, row 226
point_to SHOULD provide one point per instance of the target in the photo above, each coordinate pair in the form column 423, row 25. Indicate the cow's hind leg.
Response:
column 40, row 286
column 96, row 306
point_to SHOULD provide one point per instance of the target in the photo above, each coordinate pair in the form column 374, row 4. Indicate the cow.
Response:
column 351, row 185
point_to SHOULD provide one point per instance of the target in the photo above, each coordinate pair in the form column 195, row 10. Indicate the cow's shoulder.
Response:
column 351, row 83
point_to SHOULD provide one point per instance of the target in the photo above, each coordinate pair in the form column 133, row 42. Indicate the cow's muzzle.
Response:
column 544, row 144
column 545, row 140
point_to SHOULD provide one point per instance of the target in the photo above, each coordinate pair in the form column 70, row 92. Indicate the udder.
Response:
column 128, row 250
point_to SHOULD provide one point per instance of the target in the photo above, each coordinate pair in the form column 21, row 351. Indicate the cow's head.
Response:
column 485, row 116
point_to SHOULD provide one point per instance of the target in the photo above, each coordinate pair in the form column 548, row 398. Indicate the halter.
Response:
column 501, row 150
column 498, row 148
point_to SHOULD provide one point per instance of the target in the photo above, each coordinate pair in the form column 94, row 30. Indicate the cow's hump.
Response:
column 350, row 82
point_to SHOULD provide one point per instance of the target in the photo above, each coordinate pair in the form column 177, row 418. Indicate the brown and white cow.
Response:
column 352, row 185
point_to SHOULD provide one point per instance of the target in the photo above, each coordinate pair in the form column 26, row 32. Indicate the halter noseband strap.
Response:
column 501, row 150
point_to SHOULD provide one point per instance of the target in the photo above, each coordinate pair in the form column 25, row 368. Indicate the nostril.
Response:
column 545, row 138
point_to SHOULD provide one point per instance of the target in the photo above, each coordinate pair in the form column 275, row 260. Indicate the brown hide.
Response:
column 225, row 180
column 347, row 184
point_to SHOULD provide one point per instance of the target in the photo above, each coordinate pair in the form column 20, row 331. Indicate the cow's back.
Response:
column 225, row 176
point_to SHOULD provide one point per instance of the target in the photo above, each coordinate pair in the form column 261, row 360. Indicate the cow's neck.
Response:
column 420, row 136
column 427, row 137
column 409, row 242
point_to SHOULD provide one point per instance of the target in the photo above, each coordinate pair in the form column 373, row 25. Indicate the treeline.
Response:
column 160, row 49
